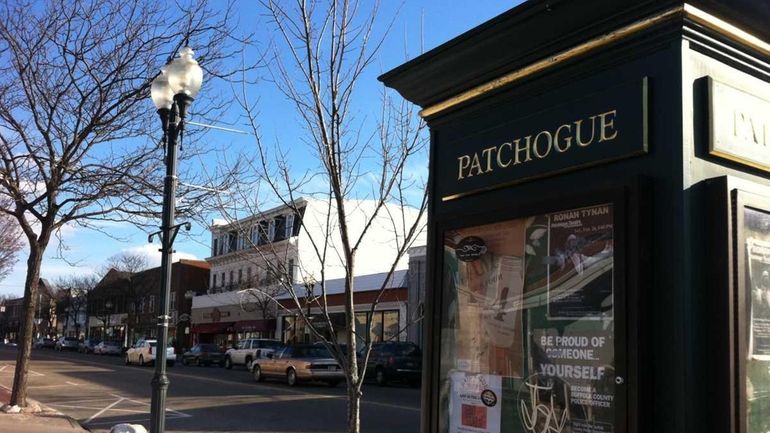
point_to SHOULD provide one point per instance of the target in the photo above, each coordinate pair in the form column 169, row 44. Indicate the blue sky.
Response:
column 437, row 20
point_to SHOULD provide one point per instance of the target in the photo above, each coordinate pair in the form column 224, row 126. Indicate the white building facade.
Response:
column 292, row 244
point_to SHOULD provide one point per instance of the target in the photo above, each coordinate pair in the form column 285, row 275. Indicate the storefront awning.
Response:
column 255, row 325
column 213, row 328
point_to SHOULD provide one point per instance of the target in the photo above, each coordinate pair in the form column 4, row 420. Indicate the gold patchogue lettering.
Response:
column 547, row 142
column 475, row 165
column 608, row 132
column 518, row 150
column 567, row 139
column 540, row 145
column 500, row 162
column 579, row 132
column 487, row 153
column 463, row 163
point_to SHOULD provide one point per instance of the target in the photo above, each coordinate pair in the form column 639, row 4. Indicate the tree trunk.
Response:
column 35, row 259
column 354, row 391
column 354, row 407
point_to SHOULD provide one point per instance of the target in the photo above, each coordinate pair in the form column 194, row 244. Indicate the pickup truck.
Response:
column 144, row 351
column 250, row 349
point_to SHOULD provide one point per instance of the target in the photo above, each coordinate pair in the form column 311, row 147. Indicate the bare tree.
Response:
column 323, row 50
column 133, row 291
column 74, row 118
column 73, row 299
column 10, row 244
column 261, row 300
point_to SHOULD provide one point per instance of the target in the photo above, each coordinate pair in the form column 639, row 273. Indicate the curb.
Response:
column 37, row 409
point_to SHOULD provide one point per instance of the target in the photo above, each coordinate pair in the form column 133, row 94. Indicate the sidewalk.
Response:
column 46, row 420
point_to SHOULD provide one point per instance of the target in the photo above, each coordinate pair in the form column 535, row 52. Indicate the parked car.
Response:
column 395, row 361
column 45, row 343
column 37, row 344
column 144, row 351
column 203, row 354
column 67, row 343
column 88, row 345
column 108, row 348
column 250, row 349
column 299, row 363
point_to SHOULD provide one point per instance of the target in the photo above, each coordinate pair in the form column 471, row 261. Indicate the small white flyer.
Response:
column 475, row 403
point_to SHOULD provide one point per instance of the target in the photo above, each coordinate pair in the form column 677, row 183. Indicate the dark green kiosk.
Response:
column 599, row 230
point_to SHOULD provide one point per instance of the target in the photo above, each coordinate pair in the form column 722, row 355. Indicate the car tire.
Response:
column 170, row 364
column 380, row 377
column 185, row 361
column 228, row 363
column 128, row 362
column 256, row 372
column 248, row 363
column 141, row 360
column 414, row 383
column 291, row 377
column 333, row 383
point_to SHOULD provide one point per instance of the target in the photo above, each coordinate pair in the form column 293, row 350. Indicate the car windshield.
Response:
column 312, row 352
column 407, row 350
column 209, row 348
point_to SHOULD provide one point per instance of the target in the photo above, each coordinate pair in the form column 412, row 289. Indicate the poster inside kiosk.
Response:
column 528, row 325
column 756, row 232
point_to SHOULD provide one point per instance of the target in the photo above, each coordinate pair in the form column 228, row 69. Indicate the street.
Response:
column 100, row 391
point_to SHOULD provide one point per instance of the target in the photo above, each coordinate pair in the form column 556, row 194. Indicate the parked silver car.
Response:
column 88, row 345
column 108, row 348
column 67, row 343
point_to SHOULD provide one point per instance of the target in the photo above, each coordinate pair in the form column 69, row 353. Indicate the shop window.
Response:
column 390, row 325
column 288, row 329
column 361, row 329
column 375, row 330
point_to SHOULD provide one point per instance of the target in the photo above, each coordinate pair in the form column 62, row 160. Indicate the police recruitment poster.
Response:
column 572, row 388
column 758, row 262
column 580, row 263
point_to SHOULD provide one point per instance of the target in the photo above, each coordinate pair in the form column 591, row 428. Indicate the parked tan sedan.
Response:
column 299, row 363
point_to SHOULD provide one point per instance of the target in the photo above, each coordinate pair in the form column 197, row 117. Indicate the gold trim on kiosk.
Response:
column 687, row 11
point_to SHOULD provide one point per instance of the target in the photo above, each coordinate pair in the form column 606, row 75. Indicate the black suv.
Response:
column 395, row 360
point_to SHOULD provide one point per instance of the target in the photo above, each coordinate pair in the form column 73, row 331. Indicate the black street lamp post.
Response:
column 172, row 93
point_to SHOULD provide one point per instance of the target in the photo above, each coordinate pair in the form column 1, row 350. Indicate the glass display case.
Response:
column 529, row 333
